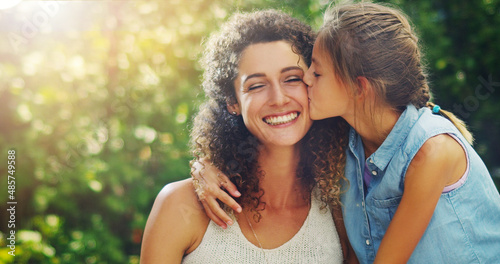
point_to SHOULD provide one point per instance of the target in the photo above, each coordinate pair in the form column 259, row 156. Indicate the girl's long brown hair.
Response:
column 377, row 42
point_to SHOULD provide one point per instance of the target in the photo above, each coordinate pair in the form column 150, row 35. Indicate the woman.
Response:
column 255, row 125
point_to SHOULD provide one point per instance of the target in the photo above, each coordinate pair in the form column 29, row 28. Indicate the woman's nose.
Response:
column 278, row 95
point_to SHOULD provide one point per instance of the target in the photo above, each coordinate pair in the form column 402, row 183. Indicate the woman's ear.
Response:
column 233, row 108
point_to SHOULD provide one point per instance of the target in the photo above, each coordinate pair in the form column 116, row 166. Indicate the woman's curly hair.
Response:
column 224, row 139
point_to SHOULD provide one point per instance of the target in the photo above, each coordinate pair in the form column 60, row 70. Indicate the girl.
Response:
column 418, row 191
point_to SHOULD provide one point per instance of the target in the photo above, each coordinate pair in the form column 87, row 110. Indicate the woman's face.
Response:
column 271, row 96
column 328, row 97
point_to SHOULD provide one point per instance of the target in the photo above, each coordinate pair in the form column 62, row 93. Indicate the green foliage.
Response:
column 460, row 46
column 97, row 100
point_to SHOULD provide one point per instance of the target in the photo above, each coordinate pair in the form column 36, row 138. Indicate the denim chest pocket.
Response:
column 384, row 209
column 380, row 213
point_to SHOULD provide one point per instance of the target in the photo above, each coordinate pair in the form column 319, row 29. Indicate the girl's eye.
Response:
column 316, row 75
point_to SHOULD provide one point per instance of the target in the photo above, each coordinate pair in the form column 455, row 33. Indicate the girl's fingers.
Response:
column 229, row 186
column 229, row 201
column 212, row 216
column 226, row 184
column 209, row 183
column 218, row 213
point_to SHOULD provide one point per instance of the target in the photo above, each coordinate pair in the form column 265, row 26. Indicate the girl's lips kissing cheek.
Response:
column 275, row 120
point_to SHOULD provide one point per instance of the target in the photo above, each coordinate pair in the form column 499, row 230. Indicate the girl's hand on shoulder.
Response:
column 209, row 184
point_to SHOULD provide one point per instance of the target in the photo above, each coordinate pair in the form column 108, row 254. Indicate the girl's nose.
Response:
column 308, row 77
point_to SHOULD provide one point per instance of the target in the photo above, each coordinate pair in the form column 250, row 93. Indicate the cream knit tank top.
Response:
column 317, row 241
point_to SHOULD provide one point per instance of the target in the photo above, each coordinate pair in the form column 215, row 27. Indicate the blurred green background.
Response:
column 97, row 97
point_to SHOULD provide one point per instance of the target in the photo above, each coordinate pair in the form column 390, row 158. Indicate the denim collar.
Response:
column 392, row 143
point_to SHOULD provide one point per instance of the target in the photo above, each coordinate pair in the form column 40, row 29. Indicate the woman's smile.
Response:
column 281, row 120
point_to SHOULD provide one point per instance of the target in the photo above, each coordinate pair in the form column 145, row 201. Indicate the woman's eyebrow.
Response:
column 291, row 68
column 255, row 75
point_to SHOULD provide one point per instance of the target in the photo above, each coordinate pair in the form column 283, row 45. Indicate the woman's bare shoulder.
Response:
column 175, row 225
column 178, row 200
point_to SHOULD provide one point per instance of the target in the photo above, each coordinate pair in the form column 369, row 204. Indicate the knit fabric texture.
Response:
column 317, row 241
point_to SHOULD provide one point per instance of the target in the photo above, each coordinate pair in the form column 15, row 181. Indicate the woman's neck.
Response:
column 281, row 187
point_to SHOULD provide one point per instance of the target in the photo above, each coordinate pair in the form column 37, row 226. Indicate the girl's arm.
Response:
column 440, row 162
column 175, row 224
column 209, row 183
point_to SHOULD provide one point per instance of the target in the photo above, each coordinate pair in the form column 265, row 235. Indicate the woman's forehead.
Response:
column 270, row 55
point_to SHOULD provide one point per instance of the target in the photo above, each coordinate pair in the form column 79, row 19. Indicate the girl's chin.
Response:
column 313, row 115
column 317, row 115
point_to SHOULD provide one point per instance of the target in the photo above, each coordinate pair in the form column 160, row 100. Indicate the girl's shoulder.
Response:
column 428, row 125
column 442, row 147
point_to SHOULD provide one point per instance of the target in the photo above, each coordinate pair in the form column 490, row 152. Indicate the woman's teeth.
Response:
column 278, row 120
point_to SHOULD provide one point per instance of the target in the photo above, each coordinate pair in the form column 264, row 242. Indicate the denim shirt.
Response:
column 465, row 226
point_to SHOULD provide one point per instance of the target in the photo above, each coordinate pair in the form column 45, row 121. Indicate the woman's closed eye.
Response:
column 293, row 79
column 255, row 86
column 316, row 74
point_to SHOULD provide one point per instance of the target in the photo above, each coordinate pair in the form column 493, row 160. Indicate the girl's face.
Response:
column 271, row 96
column 328, row 97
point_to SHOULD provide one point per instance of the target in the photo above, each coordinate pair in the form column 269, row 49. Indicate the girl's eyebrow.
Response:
column 313, row 60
